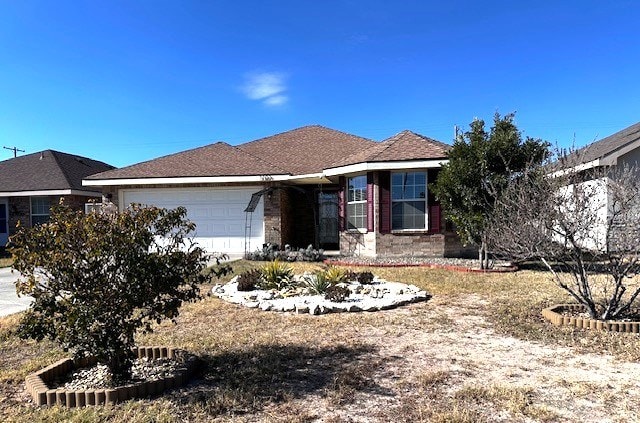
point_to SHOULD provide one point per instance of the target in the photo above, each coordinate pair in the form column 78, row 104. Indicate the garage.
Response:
column 217, row 212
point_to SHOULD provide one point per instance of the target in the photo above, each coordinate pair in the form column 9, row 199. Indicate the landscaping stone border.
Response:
column 555, row 316
column 37, row 383
column 504, row 269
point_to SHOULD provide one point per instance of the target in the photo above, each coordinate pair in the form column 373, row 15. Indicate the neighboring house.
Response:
column 616, row 150
column 31, row 184
column 311, row 185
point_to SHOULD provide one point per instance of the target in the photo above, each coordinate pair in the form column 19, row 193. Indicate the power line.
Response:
column 15, row 150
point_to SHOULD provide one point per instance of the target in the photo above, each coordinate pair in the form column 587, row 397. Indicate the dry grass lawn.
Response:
column 477, row 351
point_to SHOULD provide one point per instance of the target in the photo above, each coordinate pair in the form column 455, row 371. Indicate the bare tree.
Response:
column 583, row 225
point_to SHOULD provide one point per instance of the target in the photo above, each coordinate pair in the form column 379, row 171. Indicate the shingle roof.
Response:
column 48, row 170
column 308, row 149
column 301, row 151
column 406, row 145
column 219, row 159
column 608, row 145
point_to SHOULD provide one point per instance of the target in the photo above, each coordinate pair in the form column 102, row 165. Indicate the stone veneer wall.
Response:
column 353, row 243
column 411, row 244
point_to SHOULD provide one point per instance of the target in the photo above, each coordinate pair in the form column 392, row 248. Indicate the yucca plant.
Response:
column 318, row 283
column 276, row 275
column 335, row 274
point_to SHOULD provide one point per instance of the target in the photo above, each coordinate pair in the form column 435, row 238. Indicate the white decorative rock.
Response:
column 380, row 295
column 265, row 306
column 302, row 308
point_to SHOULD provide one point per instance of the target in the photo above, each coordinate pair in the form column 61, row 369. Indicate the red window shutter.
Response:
column 370, row 202
column 342, row 205
column 384, row 182
column 434, row 219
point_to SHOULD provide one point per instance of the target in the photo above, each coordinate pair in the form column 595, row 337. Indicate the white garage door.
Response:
column 217, row 212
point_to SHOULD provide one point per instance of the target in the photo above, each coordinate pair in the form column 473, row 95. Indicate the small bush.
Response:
column 365, row 278
column 249, row 280
column 337, row 293
column 109, row 276
column 317, row 283
column 276, row 275
column 271, row 252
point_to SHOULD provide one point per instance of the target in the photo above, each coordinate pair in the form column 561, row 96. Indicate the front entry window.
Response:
column 357, row 203
column 409, row 200
column 40, row 209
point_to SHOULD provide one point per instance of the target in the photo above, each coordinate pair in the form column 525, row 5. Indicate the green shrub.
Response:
column 249, row 280
column 337, row 293
column 98, row 278
column 276, row 275
column 364, row 278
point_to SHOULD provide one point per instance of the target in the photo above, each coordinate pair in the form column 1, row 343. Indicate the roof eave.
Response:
column 182, row 180
column 389, row 165
column 45, row 192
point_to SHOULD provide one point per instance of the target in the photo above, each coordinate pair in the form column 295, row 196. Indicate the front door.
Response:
column 328, row 236
column 4, row 222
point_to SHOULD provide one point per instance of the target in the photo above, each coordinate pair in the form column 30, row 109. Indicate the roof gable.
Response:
column 308, row 149
column 218, row 159
column 404, row 146
column 47, row 170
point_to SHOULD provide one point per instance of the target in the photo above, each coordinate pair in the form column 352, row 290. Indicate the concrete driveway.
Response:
column 9, row 301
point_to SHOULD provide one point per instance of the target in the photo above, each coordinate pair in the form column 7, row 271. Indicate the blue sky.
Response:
column 128, row 81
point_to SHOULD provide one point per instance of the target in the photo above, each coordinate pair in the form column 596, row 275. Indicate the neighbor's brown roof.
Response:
column 406, row 145
column 219, row 159
column 48, row 170
column 608, row 145
column 308, row 149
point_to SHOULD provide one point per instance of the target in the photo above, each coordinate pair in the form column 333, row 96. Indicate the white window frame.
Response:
column 39, row 213
column 410, row 200
column 351, row 201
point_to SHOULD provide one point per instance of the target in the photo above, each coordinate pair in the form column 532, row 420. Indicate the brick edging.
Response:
column 553, row 314
column 36, row 383
column 425, row 265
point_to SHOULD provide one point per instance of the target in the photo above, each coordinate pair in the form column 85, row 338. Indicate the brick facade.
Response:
column 20, row 208
column 272, row 217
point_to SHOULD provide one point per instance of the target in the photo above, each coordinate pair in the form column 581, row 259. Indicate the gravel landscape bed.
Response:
column 379, row 295
column 99, row 377
column 415, row 261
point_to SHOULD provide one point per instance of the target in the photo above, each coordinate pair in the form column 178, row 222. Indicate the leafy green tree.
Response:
column 480, row 165
column 98, row 278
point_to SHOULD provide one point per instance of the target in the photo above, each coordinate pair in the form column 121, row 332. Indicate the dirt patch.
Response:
column 466, row 371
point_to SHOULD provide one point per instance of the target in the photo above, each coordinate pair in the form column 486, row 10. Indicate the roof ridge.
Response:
column 303, row 127
column 54, row 154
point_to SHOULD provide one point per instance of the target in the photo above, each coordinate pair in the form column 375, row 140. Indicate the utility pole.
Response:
column 15, row 150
